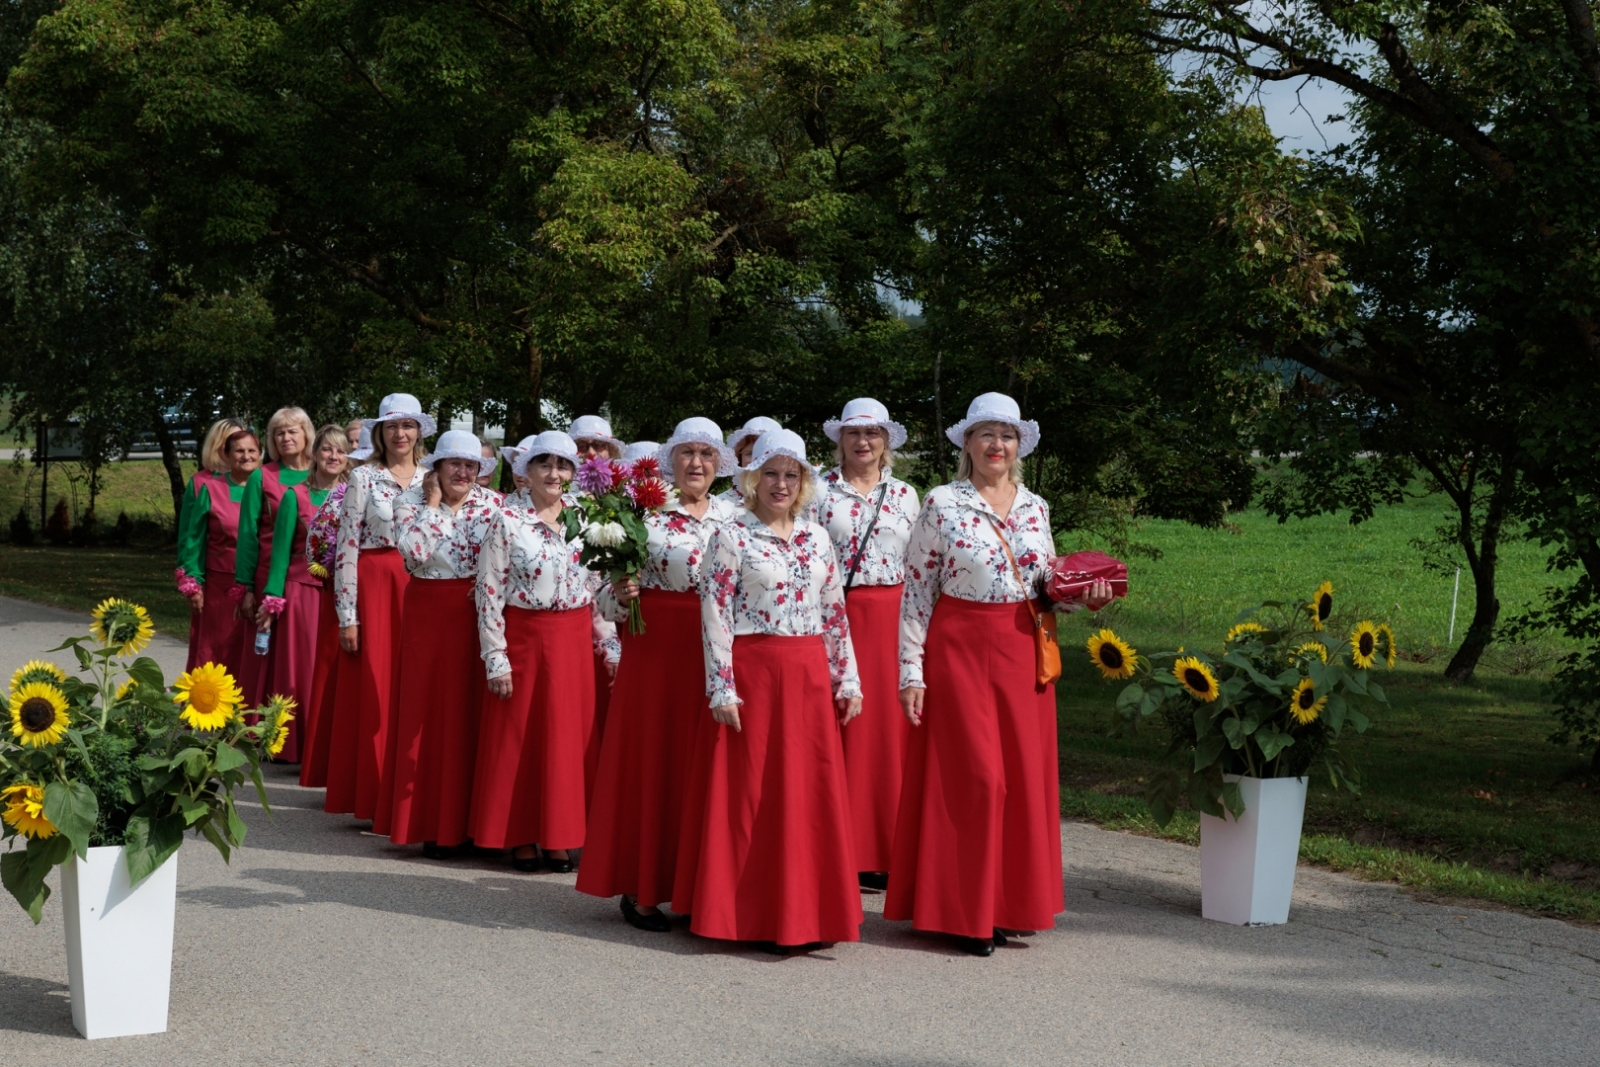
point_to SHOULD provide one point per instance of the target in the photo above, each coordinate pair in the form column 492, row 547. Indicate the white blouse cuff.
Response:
column 497, row 664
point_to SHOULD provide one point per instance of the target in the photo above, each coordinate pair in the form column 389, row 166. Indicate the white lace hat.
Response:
column 996, row 407
column 777, row 443
column 639, row 450
column 509, row 453
column 594, row 428
column 754, row 428
column 701, row 430
column 363, row 450
column 460, row 444
column 549, row 443
column 397, row 407
column 865, row 411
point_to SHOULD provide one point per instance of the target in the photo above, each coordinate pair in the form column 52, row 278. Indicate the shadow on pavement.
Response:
column 35, row 1006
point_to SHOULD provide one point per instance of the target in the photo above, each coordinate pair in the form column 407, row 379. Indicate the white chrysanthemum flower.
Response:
column 605, row 534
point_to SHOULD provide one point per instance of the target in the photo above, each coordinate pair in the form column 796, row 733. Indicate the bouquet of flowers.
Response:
column 608, row 516
column 322, row 533
column 1271, row 705
column 122, row 758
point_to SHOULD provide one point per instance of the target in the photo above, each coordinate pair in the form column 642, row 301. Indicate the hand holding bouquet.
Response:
column 609, row 518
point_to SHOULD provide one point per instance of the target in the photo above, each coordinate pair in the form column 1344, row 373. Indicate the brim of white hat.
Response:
column 360, row 455
column 486, row 464
column 897, row 433
column 519, row 466
column 509, row 453
column 740, row 436
column 757, row 462
column 1026, row 427
column 600, row 437
column 422, row 419
column 727, row 462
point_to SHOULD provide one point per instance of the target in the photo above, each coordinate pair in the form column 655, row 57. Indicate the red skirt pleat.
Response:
column 294, row 658
column 216, row 635
column 602, row 708
column 320, row 706
column 357, row 756
column 528, row 785
column 657, row 706
column 978, row 841
column 343, row 710
column 427, row 791
column 875, row 741
column 766, row 852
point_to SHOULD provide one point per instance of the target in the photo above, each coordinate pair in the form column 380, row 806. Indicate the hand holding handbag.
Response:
column 1047, row 651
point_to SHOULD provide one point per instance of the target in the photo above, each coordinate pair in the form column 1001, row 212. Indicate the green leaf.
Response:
column 229, row 758
column 191, row 810
column 1161, row 794
column 1237, row 731
column 1334, row 713
column 147, row 672
column 1207, row 750
column 150, row 843
column 1375, row 691
column 1203, row 795
column 76, row 737
column 236, row 826
column 1152, row 700
column 72, row 808
column 261, row 789
column 23, row 871
column 1130, row 696
column 1233, row 798
column 1356, row 680
column 1358, row 721
column 210, row 831
column 1272, row 741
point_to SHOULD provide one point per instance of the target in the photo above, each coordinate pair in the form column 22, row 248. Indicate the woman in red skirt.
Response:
column 659, row 700
column 766, row 853
column 369, row 583
column 440, row 526
column 317, row 530
column 977, row 848
column 208, row 541
column 868, row 515
column 536, row 636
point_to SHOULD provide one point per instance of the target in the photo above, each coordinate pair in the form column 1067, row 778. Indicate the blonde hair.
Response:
column 380, row 447
column 964, row 465
column 211, row 448
column 294, row 415
column 748, row 480
column 335, row 433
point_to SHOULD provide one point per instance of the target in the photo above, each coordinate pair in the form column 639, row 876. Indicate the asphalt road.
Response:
column 325, row 945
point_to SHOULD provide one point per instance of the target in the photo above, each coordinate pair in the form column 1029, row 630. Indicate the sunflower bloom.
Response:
column 38, row 714
column 1313, row 648
column 122, row 625
column 1197, row 679
column 1364, row 644
column 25, row 811
column 284, row 708
column 1243, row 630
column 1112, row 655
column 1390, row 651
column 1321, row 606
column 1304, row 704
column 37, row 670
column 210, row 695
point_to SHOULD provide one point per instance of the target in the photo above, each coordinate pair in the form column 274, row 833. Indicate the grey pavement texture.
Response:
column 322, row 944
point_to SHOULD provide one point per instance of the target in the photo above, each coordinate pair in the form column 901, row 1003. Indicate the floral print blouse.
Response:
column 844, row 511
column 677, row 549
column 526, row 563
column 322, row 531
column 439, row 543
column 366, row 521
column 755, row 582
column 955, row 551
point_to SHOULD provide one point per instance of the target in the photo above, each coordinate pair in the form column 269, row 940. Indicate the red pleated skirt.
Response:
column 428, row 791
column 978, row 841
column 765, row 853
column 361, row 741
column 529, row 783
column 602, row 708
column 319, row 709
column 657, row 706
column 215, row 634
column 875, row 741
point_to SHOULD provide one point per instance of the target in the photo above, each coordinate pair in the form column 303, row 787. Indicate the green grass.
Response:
column 79, row 578
column 138, row 487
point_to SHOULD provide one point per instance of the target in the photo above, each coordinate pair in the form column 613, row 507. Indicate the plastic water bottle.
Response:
column 263, row 640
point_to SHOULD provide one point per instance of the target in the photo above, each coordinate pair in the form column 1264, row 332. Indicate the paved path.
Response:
column 324, row 945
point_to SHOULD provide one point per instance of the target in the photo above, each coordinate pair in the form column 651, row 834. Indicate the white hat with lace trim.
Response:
column 777, row 443
column 703, row 431
column 397, row 407
column 549, row 443
column 996, row 407
column 865, row 411
column 460, row 444
column 509, row 453
column 754, row 428
column 594, row 428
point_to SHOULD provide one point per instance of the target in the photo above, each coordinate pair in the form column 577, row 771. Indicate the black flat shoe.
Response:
column 772, row 948
column 563, row 866
column 976, row 946
column 873, row 880
column 999, row 938
column 526, row 864
column 655, row 924
column 434, row 851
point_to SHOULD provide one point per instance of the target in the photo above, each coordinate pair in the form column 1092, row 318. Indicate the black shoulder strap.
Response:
column 861, row 550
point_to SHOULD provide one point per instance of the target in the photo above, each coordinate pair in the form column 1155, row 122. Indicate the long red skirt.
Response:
column 657, row 705
column 294, row 658
column 875, row 741
column 215, row 634
column 427, row 793
column 978, row 842
column 602, row 708
column 765, row 853
column 528, row 786
column 359, row 749
column 320, row 708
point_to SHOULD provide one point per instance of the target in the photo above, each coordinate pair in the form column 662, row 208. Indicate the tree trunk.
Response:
column 169, row 460
column 1485, row 614
column 1483, row 559
column 527, row 418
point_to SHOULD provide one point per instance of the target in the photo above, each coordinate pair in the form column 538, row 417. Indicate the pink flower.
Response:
column 596, row 476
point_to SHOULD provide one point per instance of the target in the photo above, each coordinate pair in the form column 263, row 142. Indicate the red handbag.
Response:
column 1068, row 576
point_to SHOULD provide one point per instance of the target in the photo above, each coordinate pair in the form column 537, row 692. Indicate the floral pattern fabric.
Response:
column 438, row 543
column 845, row 512
column 366, row 521
column 755, row 582
column 677, row 550
column 322, row 531
column 956, row 551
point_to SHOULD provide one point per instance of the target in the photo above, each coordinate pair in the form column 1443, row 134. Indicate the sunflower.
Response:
column 1113, row 655
column 1243, row 629
column 212, row 696
column 37, row 670
column 1196, row 678
column 317, row 570
column 123, row 625
column 1304, row 704
column 1321, row 605
column 125, row 689
column 25, row 810
column 38, row 714
column 280, row 714
column 1389, row 649
column 1313, row 648
column 1364, row 644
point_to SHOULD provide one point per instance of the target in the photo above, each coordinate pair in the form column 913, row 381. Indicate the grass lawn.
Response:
column 137, row 486
column 79, row 578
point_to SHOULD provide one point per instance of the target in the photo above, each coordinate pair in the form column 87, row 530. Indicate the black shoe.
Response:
column 999, row 938
column 562, row 866
column 434, row 851
column 656, row 924
column 527, row 864
column 772, row 948
column 976, row 946
column 873, row 880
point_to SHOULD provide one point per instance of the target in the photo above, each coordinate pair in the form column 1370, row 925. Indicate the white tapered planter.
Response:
column 119, row 943
column 1247, row 864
